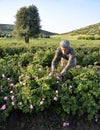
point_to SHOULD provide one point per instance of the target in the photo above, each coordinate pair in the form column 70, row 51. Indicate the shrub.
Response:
column 77, row 93
column 25, row 84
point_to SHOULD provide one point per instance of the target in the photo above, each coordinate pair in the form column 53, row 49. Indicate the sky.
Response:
column 59, row 16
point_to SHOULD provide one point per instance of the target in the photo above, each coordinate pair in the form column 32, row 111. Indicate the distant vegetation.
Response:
column 91, row 32
column 6, row 30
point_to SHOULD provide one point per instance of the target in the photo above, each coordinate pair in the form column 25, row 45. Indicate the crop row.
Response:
column 25, row 84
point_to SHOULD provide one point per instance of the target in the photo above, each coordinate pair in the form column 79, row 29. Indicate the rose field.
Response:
column 32, row 100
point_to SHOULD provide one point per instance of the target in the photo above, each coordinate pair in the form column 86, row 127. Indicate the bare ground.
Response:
column 47, row 120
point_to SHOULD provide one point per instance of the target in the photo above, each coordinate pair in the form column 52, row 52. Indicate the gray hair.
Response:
column 65, row 44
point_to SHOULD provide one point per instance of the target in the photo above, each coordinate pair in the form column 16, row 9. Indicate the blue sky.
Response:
column 58, row 16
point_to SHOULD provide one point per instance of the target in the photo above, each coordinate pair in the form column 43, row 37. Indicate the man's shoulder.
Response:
column 71, row 50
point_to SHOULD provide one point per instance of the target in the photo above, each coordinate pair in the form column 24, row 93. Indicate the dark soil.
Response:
column 46, row 120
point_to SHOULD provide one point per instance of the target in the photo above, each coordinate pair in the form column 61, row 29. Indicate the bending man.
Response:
column 66, row 54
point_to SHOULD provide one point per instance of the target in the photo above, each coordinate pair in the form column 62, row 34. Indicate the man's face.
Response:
column 64, row 50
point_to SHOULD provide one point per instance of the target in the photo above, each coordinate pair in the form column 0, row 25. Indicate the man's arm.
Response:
column 55, row 59
column 70, row 63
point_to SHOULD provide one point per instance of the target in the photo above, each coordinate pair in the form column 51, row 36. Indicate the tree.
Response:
column 27, row 23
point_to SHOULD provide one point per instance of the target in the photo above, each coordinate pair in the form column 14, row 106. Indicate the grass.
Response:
column 47, row 42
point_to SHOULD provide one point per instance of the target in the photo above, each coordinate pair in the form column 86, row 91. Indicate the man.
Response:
column 66, row 54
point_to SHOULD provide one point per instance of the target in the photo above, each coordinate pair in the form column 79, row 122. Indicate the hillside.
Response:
column 8, row 28
column 91, row 32
column 88, row 30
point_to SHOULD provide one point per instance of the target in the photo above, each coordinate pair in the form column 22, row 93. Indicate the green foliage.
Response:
column 46, row 54
column 25, row 84
column 27, row 22
column 91, row 37
column 35, row 91
column 25, row 58
column 86, row 37
column 87, row 56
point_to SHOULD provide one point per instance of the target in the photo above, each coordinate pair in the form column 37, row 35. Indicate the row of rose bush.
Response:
column 85, row 56
column 89, row 37
column 25, row 85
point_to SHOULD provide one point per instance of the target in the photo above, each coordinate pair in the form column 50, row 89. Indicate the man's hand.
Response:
column 59, row 77
column 51, row 73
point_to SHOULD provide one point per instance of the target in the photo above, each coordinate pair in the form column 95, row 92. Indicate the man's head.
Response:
column 64, row 46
